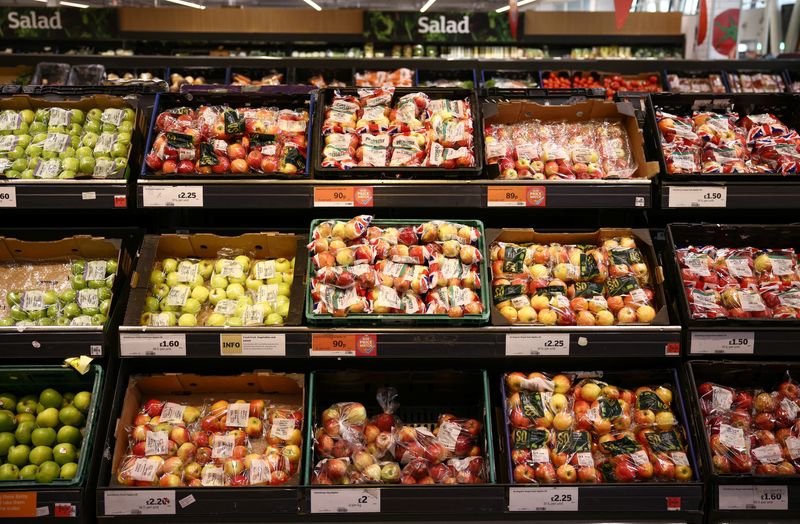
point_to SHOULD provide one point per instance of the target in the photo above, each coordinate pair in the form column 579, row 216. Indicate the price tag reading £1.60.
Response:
column 543, row 499
column 152, row 345
column 8, row 197
column 346, row 500
column 705, row 196
column 525, row 344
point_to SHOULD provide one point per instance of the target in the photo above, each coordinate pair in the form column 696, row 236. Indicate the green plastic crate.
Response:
column 27, row 380
column 415, row 319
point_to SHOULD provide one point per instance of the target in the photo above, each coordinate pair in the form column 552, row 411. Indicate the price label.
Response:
column 543, row 499
column 17, row 504
column 516, row 196
column 366, row 500
column 231, row 344
column 772, row 498
column 700, row 196
column 238, row 415
column 8, row 197
column 172, row 413
column 343, row 196
column 775, row 498
column 172, row 196
column 335, row 345
column 737, row 342
column 146, row 502
column 525, row 344
column 152, row 345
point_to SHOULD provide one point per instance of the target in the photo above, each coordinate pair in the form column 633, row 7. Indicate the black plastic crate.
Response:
column 86, row 74
column 324, row 99
column 785, row 107
column 51, row 73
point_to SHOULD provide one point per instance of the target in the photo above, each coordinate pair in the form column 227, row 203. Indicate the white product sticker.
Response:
column 343, row 106
column 751, row 301
column 769, row 454
column 259, row 472
column 145, row 469
column 585, row 459
column 105, row 142
column 388, row 297
column 223, row 446
column 366, row 500
column 393, row 269
column 56, row 142
column 640, row 457
column 789, row 298
column 537, row 344
column 33, row 301
column 639, row 296
column 156, row 443
column 721, row 398
column 59, row 117
column 88, row 298
column 253, row 316
column 410, row 304
column 269, row 150
column 448, row 434
column 10, row 121
column 710, row 196
column 47, row 168
column 781, row 266
column 495, row 149
column 172, row 413
column 679, row 458
column 81, row 321
column 231, row 268
column 463, row 296
column 527, row 151
column 144, row 502
column 790, row 407
column 213, row 476
column 543, row 499
column 95, row 270
column 152, row 344
column 112, row 116
column 282, row 428
column 520, row 301
column 540, row 455
column 226, row 307
column 187, row 271
column 793, row 446
column 264, row 269
column 697, row 264
column 238, row 415
column 732, row 437
column 267, row 293
column 172, row 196
column 735, row 342
column 187, row 501
column 8, row 142
column 178, row 295
column 374, row 157
column 186, row 153
column 739, row 267
column 104, row 168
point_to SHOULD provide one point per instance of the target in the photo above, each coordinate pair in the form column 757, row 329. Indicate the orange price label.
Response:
column 343, row 345
column 17, row 504
column 343, row 196
column 516, row 196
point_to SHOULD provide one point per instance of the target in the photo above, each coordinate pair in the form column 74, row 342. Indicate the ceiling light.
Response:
column 427, row 6
column 519, row 4
column 187, row 4
column 73, row 4
column 313, row 4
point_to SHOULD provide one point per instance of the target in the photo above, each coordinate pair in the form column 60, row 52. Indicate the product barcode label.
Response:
column 172, row 413
column 226, row 307
column 212, row 476
column 187, row 271
column 88, row 298
column 264, row 269
column 231, row 268
column 282, row 428
column 223, row 446
column 59, row 117
column 769, row 454
column 679, row 458
column 238, row 414
column 253, row 316
column 267, row 293
column 448, row 434
column 112, row 116
column 259, row 472
column 56, row 142
column 739, row 267
column 178, row 295
column 721, row 398
column 144, row 469
column 95, row 270
column 33, row 301
column 156, row 443
column 540, row 455
column 585, row 459
column 731, row 437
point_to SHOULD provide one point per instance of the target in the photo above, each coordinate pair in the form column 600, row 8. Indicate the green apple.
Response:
column 97, row 284
column 49, row 155
column 39, row 138
column 91, row 128
column 205, row 268
column 125, row 127
column 95, row 114
column 27, row 175
column 9, row 472
column 47, row 418
column 29, row 472
column 168, row 265
column 48, row 472
column 13, row 298
column 282, row 299
column 84, row 152
column 198, row 281
column 219, row 282
column 283, row 309
column 69, row 152
column 8, row 401
column 78, row 282
column 130, row 114
column 71, row 310
column 273, row 319
column 27, row 404
column 70, row 164
column 50, row 298
column 68, row 471
column 173, row 279
column 282, row 265
column 63, row 453
column 22, row 435
column 105, row 305
column 187, row 320
column 192, row 306
column 45, row 321
column 69, row 295
column 18, row 314
column 7, row 440
column 284, row 289
column 157, row 277
column 12, row 173
column 69, row 434
column 252, row 284
column 22, row 129
column 18, row 455
column 62, row 321
column 124, row 139
column 216, row 295
column 75, row 129
column 78, row 267
column 17, row 152
column 160, row 291
column 108, row 127
column 89, row 311
column 36, row 315
column 200, row 293
column 120, row 163
column 215, row 320
column 234, row 322
column 27, row 116
column 25, row 417
column 70, row 416
column 24, row 140
column 266, row 307
column 234, row 291
column 43, row 437
column 82, row 401
column 50, row 398
column 65, row 175
column 40, row 454
column 99, row 319
column 66, row 399
column 104, row 293
column 151, row 304
column 277, row 279
column 111, row 266
column 7, row 421
column 78, row 116
column 36, row 128
column 119, row 150
column 288, row 278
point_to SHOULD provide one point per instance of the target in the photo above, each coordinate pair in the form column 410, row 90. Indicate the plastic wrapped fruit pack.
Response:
column 712, row 83
column 221, row 140
column 566, row 285
column 212, row 442
column 564, row 429
column 429, row 268
column 350, row 449
column 232, row 290
column 561, row 150
column 756, row 83
column 76, row 293
column 752, row 431
column 741, row 283
column 271, row 79
column 42, row 434
column 378, row 129
column 402, row 77
column 709, row 142
column 56, row 143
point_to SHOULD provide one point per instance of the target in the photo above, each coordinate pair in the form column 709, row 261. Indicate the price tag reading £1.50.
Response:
column 735, row 342
column 543, row 499
column 705, row 196
column 524, row 344
column 346, row 500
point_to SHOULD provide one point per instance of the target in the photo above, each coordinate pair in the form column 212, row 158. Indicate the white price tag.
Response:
column 543, row 499
column 586, row 460
column 539, row 455
column 700, row 196
column 152, row 344
column 223, row 446
column 734, row 342
column 793, row 447
column 736, row 497
column 448, row 434
column 8, row 197
column 156, row 443
column 282, row 428
column 212, row 476
column 772, row 498
column 721, row 398
column 679, row 458
column 238, row 415
column 535, row 344
column 172, row 196
column 172, row 413
column 145, row 502
column 264, row 269
column 366, row 500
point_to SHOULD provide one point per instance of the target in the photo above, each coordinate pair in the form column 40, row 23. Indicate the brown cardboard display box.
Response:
column 284, row 389
column 643, row 241
column 512, row 112
column 258, row 246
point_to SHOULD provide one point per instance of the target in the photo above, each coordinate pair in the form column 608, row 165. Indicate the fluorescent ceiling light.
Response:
column 313, row 4
column 187, row 4
column 427, row 6
column 519, row 4
column 73, row 4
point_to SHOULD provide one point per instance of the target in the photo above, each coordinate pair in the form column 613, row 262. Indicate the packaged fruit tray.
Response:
column 400, row 132
column 43, row 139
column 51, row 446
column 250, row 280
column 597, row 427
column 386, row 428
column 232, row 134
column 735, row 275
column 730, row 137
column 695, row 82
column 396, row 272
column 606, row 277
column 748, row 412
column 190, row 430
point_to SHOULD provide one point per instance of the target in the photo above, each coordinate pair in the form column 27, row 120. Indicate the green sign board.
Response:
column 58, row 23
column 456, row 27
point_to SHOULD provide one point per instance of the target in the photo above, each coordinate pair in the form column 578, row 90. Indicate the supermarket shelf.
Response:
column 783, row 194
column 399, row 342
column 75, row 194
column 52, row 342
column 239, row 194
column 740, row 341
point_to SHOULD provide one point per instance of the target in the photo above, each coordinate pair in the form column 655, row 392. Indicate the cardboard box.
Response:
column 521, row 111
column 277, row 388
column 206, row 245
column 643, row 242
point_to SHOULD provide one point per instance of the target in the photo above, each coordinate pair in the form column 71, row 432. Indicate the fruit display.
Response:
column 592, row 280
column 351, row 449
column 223, row 140
column 402, row 77
column 271, row 79
column 233, row 289
column 378, row 128
column 128, row 77
column 42, row 433
column 566, row 429
column 740, row 282
column 361, row 268
column 40, row 142
column 211, row 439
column 322, row 81
column 752, row 431
column 728, row 143
column 613, row 83
column 756, row 83
column 445, row 83
column 500, row 82
column 73, row 293
column 710, row 83
column 177, row 80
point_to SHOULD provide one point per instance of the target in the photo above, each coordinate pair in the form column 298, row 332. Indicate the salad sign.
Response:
column 404, row 26
column 48, row 22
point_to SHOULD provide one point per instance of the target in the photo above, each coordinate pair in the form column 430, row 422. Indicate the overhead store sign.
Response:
column 45, row 22
column 394, row 26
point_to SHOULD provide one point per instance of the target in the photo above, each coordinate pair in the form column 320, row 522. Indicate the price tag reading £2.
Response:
column 366, row 500
column 543, row 499
column 535, row 344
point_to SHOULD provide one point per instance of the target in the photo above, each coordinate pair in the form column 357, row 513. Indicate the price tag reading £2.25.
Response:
column 543, row 499
column 366, row 500
column 524, row 344
column 704, row 196
column 172, row 196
